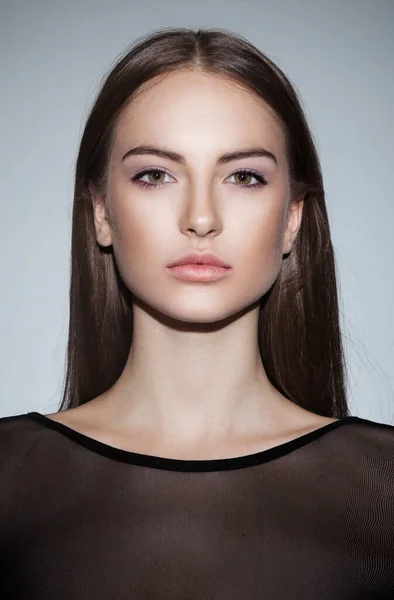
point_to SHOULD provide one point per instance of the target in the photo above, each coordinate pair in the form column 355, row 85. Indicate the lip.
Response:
column 196, row 258
column 193, row 272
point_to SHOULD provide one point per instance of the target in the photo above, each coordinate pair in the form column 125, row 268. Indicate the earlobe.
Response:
column 294, row 223
column 101, row 224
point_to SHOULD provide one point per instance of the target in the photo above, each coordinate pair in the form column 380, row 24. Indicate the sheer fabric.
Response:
column 310, row 519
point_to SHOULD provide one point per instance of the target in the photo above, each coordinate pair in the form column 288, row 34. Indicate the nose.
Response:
column 200, row 213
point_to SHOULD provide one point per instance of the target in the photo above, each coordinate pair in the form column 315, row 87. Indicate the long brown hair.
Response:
column 299, row 334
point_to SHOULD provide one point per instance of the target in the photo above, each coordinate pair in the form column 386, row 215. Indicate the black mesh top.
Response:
column 310, row 519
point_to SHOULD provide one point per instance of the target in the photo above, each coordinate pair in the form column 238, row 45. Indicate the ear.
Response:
column 293, row 224
column 101, row 223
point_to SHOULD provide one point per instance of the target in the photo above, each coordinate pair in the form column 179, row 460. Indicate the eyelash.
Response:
column 146, row 184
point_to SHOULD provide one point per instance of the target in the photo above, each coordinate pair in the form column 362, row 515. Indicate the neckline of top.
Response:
column 177, row 464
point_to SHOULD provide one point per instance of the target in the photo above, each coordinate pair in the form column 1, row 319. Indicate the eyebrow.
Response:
column 224, row 158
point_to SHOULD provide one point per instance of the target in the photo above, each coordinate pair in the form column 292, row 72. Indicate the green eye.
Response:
column 247, row 173
column 156, row 180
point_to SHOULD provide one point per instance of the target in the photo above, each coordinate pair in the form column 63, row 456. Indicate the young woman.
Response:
column 203, row 447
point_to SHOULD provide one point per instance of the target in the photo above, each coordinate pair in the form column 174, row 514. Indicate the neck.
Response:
column 195, row 385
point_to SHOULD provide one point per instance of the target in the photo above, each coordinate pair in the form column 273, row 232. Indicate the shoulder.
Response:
column 14, row 425
column 18, row 436
column 369, row 434
column 367, row 448
column 363, row 456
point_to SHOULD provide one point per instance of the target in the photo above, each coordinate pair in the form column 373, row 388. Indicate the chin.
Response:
column 180, row 312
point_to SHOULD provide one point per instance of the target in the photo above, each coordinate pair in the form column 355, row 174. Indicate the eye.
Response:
column 155, row 176
column 246, row 174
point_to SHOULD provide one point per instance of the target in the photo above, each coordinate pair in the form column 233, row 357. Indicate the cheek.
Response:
column 139, row 243
column 260, row 243
column 260, row 252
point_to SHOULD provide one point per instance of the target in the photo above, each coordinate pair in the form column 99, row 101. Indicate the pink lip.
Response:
column 195, row 258
column 194, row 272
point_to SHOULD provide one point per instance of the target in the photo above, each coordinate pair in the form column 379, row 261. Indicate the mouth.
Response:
column 199, row 272
column 199, row 259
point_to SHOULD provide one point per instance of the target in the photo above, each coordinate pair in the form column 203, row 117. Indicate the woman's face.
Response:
column 195, row 204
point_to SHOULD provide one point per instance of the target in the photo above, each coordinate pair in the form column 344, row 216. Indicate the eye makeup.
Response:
column 246, row 172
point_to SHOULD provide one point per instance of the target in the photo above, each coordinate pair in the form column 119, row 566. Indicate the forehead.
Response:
column 194, row 109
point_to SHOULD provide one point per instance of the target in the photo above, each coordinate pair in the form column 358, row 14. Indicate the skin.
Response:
column 194, row 385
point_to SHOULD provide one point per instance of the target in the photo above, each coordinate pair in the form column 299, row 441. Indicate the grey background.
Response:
column 338, row 54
